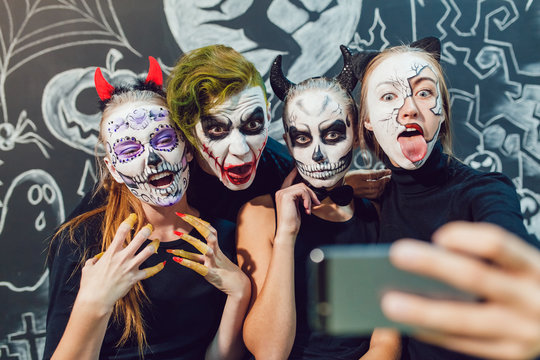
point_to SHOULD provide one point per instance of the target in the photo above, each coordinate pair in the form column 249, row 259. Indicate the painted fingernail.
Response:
column 177, row 259
column 170, row 251
column 178, row 233
column 155, row 245
column 131, row 219
column 180, row 214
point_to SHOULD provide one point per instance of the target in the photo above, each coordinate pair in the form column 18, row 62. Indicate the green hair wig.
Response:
column 204, row 78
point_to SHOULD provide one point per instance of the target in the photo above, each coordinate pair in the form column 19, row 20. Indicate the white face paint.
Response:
column 320, row 137
column 146, row 153
column 233, row 136
column 404, row 109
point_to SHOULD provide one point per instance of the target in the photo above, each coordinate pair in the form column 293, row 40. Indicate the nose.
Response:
column 318, row 155
column 153, row 159
column 239, row 146
column 408, row 111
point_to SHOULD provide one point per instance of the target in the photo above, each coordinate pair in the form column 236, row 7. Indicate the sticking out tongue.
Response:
column 413, row 144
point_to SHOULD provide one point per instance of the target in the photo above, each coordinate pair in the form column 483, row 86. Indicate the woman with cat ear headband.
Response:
column 405, row 119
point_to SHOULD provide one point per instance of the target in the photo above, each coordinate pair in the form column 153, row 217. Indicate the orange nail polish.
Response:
column 177, row 259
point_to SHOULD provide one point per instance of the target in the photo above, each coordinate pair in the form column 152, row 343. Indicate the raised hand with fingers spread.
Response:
column 216, row 268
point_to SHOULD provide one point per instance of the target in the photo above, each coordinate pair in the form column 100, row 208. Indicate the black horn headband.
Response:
column 281, row 85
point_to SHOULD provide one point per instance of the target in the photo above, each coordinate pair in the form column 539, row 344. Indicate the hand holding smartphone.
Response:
column 348, row 281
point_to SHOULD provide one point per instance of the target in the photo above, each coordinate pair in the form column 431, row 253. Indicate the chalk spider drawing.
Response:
column 11, row 135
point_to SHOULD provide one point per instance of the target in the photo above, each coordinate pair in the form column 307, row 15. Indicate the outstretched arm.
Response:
column 105, row 279
column 487, row 261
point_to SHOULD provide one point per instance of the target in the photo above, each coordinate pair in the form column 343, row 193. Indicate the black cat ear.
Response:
column 361, row 60
column 430, row 44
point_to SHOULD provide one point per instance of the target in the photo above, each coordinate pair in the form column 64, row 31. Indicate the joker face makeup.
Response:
column 404, row 109
column 233, row 136
column 145, row 152
column 320, row 136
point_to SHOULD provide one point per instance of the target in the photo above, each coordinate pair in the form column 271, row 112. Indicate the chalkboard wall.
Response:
column 48, row 122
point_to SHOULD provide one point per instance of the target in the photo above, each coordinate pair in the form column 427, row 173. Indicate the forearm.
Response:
column 227, row 343
column 84, row 333
column 270, row 326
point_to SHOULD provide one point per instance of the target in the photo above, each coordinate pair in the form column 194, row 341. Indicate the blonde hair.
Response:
column 366, row 137
column 119, row 204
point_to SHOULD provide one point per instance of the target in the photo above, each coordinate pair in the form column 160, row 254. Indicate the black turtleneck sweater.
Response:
column 417, row 202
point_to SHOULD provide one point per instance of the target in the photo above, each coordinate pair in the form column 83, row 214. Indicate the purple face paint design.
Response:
column 147, row 154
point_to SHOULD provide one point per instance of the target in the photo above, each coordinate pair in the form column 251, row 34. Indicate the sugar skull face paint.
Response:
column 320, row 137
column 233, row 136
column 404, row 108
column 145, row 152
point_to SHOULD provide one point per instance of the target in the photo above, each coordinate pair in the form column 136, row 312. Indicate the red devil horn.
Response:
column 154, row 72
column 103, row 88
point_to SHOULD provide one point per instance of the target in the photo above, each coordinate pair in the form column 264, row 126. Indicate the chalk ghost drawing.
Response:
column 32, row 208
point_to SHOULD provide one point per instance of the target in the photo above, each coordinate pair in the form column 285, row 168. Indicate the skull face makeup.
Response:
column 233, row 136
column 404, row 108
column 145, row 152
column 320, row 136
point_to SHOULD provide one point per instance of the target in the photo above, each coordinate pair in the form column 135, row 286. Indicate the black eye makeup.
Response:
column 254, row 124
column 215, row 129
column 334, row 133
column 299, row 138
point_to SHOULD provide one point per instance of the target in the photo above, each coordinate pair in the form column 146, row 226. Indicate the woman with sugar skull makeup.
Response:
column 405, row 119
column 274, row 239
column 111, row 292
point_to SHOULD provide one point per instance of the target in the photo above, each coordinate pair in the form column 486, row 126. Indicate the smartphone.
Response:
column 346, row 283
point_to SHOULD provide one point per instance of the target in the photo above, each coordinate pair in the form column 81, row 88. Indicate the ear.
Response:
column 367, row 124
column 112, row 170
column 429, row 44
column 287, row 141
column 268, row 113
column 189, row 154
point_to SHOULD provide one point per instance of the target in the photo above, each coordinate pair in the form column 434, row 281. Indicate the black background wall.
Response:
column 48, row 121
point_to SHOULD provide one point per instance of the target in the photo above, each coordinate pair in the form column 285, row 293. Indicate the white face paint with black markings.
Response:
column 233, row 136
column 320, row 137
column 145, row 152
column 404, row 109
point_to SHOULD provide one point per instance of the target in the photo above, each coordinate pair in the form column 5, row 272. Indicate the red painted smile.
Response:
column 239, row 174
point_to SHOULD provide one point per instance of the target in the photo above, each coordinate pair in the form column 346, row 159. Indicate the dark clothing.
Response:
column 183, row 312
column 315, row 232
column 417, row 202
column 208, row 194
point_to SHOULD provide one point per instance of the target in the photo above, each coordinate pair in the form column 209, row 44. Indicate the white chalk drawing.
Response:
column 88, row 178
column 495, row 94
column 22, row 43
column 27, row 339
column 306, row 32
column 37, row 204
column 59, row 103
